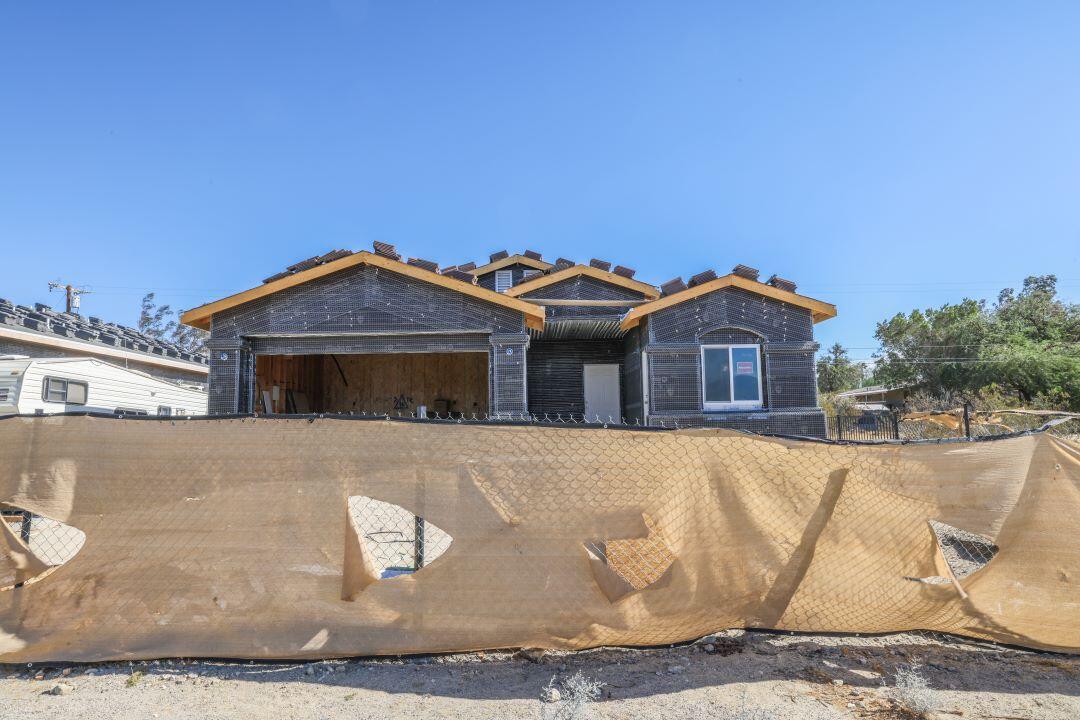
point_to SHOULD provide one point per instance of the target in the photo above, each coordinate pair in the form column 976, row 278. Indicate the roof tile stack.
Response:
column 701, row 277
column 746, row 271
column 309, row 263
column 457, row 273
column 386, row 250
column 675, row 285
column 425, row 264
column 778, row 282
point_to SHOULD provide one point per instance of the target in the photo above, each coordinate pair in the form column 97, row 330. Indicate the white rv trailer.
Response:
column 43, row 386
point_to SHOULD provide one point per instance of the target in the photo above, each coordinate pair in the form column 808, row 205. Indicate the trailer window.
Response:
column 69, row 392
column 164, row 410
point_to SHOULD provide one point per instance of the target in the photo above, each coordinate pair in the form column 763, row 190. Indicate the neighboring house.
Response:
column 368, row 332
column 877, row 397
column 45, row 386
column 41, row 332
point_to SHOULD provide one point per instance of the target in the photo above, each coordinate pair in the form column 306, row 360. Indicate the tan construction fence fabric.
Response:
column 241, row 537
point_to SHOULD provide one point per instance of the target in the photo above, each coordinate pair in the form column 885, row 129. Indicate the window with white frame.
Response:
column 504, row 280
column 730, row 376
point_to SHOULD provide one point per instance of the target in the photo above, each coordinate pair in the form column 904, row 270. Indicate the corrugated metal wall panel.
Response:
column 633, row 408
column 556, row 373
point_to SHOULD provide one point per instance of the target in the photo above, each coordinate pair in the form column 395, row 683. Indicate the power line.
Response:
column 973, row 344
column 948, row 362
column 71, row 295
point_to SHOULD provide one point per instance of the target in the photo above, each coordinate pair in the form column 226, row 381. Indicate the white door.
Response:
column 602, row 393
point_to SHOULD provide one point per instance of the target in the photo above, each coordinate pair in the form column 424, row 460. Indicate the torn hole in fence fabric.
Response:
column 733, row 510
column 626, row 565
column 32, row 546
column 384, row 541
column 965, row 553
column 959, row 554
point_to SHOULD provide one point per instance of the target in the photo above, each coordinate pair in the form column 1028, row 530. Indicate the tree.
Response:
column 155, row 320
column 837, row 372
column 1026, row 345
column 159, row 322
column 191, row 339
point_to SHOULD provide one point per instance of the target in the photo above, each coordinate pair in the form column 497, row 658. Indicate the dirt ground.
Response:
column 749, row 676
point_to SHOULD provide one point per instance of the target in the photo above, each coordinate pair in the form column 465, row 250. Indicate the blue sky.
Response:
column 885, row 156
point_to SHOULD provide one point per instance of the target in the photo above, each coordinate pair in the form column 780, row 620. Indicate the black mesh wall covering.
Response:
column 810, row 423
column 674, row 381
column 372, row 310
column 791, row 380
column 357, row 343
column 507, row 387
column 584, row 287
column 487, row 280
column 364, row 299
column 224, row 380
column 731, row 308
column 556, row 373
column 734, row 316
column 368, row 310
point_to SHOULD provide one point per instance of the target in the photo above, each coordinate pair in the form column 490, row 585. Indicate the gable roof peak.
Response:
column 561, row 273
column 200, row 317
column 675, row 292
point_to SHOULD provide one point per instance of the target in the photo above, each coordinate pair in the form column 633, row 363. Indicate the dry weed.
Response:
column 570, row 699
column 912, row 690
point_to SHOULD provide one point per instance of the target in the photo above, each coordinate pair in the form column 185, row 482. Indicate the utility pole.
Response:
column 72, row 295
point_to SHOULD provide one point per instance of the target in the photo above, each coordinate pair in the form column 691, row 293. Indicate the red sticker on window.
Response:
column 744, row 368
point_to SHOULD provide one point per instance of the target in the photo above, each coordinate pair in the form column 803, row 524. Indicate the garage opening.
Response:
column 431, row 384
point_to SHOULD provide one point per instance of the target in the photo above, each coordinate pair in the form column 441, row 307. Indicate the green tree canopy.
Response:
column 837, row 372
column 1027, row 345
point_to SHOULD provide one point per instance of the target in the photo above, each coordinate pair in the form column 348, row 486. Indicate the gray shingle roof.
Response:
column 44, row 320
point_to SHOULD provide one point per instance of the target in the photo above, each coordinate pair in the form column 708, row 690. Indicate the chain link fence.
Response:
column 401, row 543
column 947, row 424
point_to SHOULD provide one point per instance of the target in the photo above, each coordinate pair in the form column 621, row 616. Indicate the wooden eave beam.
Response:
column 819, row 310
column 535, row 283
column 200, row 317
column 512, row 260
